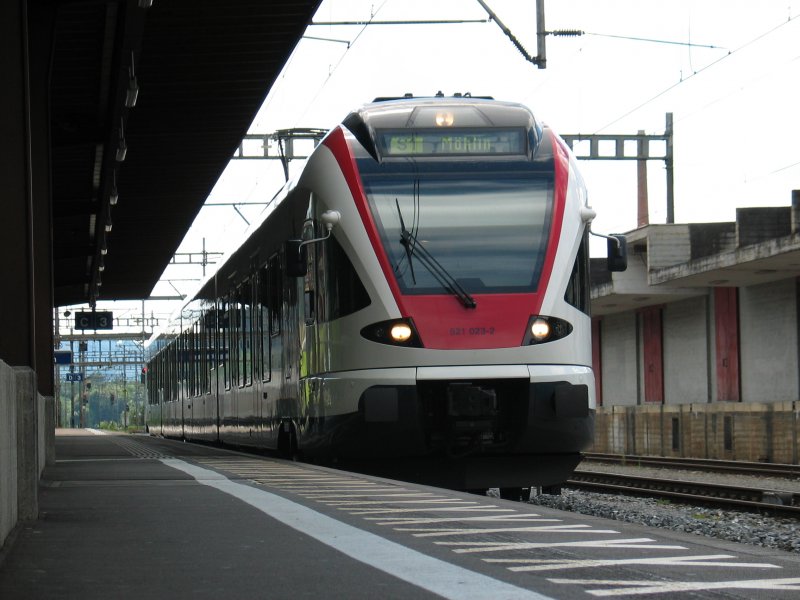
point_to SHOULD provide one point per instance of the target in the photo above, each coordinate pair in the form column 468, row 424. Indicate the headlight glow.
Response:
column 395, row 332
column 540, row 330
column 400, row 332
column 444, row 119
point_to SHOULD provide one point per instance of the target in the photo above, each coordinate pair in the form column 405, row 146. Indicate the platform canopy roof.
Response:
column 202, row 69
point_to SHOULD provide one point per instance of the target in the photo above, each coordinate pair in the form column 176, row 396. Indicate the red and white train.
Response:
column 416, row 302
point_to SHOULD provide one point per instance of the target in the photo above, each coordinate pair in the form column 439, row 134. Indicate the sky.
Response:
column 733, row 93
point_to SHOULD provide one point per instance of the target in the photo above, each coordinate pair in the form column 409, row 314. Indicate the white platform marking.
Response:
column 711, row 560
column 516, row 518
column 501, row 547
column 331, row 495
column 631, row 588
column 426, row 572
column 380, row 511
column 361, row 503
column 578, row 528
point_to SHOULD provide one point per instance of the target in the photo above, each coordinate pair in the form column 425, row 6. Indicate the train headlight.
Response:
column 545, row 329
column 540, row 330
column 397, row 332
column 401, row 332
column 444, row 119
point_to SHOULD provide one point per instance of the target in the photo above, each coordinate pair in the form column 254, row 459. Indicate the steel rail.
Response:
column 730, row 496
column 704, row 464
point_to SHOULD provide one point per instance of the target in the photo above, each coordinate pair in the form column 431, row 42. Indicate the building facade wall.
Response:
column 752, row 432
column 620, row 360
column 686, row 351
column 768, row 342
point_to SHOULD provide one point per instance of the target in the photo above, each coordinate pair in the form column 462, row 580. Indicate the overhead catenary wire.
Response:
column 642, row 39
column 332, row 70
column 698, row 72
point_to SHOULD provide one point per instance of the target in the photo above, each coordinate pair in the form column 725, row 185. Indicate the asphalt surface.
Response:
column 135, row 516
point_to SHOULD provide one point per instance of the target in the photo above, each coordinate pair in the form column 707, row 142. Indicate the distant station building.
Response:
column 696, row 344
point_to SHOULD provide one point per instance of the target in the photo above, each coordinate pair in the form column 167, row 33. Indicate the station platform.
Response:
column 136, row 516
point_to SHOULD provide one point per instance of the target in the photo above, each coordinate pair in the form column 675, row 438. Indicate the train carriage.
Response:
column 416, row 302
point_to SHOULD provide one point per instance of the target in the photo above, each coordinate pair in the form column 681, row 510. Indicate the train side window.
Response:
column 234, row 327
column 275, row 299
column 245, row 334
column 198, row 356
column 309, row 296
column 345, row 294
column 209, row 347
column 225, row 338
column 190, row 361
column 579, row 287
column 264, row 338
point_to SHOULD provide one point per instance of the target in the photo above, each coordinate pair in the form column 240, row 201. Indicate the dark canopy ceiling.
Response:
column 203, row 69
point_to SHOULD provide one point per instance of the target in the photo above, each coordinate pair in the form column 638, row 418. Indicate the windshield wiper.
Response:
column 442, row 275
column 405, row 237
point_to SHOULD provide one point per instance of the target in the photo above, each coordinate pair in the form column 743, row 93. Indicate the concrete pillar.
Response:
column 49, row 433
column 643, row 206
column 27, row 443
column 26, row 34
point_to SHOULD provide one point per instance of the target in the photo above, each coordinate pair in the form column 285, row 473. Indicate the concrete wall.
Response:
column 755, row 432
column 620, row 359
column 27, row 445
column 768, row 342
column 686, row 351
column 8, row 451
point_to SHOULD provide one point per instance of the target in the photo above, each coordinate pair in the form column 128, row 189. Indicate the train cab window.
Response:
column 578, row 287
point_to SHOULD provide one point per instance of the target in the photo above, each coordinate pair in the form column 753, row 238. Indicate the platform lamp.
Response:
column 122, row 148
column 113, row 197
column 132, row 93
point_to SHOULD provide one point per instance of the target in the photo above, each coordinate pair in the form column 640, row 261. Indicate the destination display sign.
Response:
column 452, row 142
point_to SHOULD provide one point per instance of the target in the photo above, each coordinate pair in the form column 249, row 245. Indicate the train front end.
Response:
column 466, row 223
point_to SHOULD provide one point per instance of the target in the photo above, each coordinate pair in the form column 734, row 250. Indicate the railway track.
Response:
column 700, row 464
column 775, row 502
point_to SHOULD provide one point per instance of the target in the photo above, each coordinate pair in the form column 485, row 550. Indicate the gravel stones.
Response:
column 746, row 528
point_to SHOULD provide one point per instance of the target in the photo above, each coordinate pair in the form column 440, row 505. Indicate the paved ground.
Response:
column 133, row 516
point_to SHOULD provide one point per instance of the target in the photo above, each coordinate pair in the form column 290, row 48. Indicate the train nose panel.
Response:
column 468, row 401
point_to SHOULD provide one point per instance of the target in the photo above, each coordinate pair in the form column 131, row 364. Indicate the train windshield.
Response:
column 487, row 229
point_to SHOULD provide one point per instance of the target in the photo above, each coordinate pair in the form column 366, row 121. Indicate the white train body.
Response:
column 460, row 220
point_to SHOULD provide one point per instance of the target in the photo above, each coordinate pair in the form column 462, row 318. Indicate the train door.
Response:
column 288, row 402
column 248, row 409
column 310, row 384
column 216, row 355
column 267, row 334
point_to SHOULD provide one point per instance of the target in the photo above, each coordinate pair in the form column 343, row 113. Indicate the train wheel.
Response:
column 552, row 490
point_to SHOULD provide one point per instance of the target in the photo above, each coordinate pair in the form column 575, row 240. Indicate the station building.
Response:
column 696, row 345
